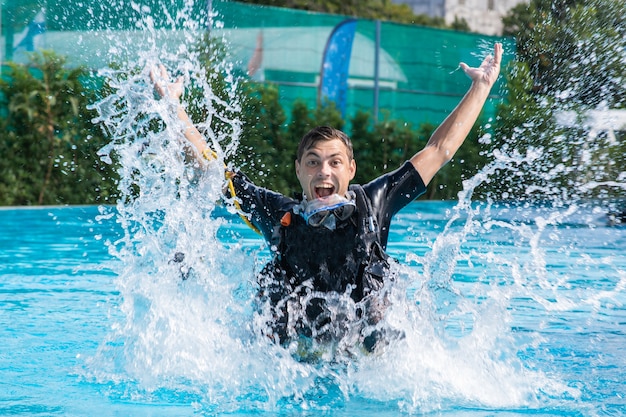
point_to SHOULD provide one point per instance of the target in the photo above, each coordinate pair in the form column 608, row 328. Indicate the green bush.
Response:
column 48, row 143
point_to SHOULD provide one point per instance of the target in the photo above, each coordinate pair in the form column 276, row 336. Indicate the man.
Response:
column 328, row 279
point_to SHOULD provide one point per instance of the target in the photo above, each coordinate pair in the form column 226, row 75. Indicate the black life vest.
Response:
column 315, row 273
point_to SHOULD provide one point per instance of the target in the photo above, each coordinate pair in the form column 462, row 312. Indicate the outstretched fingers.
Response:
column 498, row 51
column 160, row 77
column 488, row 70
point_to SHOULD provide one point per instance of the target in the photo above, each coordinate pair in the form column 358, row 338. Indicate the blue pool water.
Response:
column 507, row 311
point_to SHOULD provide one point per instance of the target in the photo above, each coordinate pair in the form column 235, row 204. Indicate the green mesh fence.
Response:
column 417, row 79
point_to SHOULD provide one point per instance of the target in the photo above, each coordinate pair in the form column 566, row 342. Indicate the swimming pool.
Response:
column 507, row 311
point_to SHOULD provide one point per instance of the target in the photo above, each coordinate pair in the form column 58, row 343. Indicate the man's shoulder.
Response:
column 404, row 184
column 395, row 178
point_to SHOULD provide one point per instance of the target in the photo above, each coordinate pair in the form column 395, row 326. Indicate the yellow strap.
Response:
column 210, row 155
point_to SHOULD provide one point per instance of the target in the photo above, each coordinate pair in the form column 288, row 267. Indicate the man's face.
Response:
column 325, row 169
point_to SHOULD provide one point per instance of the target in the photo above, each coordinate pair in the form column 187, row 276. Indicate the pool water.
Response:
column 506, row 310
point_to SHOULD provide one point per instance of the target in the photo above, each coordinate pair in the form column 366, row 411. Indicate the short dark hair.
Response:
column 323, row 133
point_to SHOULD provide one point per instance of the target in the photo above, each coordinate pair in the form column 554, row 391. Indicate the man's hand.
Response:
column 197, row 148
column 488, row 71
column 163, row 86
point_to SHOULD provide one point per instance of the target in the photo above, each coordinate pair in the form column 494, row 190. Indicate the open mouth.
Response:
column 322, row 191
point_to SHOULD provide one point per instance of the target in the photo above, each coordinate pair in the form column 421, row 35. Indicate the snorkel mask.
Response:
column 325, row 211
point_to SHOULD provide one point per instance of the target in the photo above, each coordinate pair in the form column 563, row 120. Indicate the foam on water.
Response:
column 195, row 339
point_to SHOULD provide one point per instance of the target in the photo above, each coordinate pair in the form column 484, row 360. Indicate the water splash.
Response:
column 186, row 328
column 182, row 318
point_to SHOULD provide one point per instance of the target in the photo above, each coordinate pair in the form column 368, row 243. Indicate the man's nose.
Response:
column 324, row 169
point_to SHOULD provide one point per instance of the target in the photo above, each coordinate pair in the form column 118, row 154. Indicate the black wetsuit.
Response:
column 321, row 280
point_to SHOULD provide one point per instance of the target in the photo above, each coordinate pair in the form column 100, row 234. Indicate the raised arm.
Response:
column 450, row 135
column 174, row 90
column 197, row 146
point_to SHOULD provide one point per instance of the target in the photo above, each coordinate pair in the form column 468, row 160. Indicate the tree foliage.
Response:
column 571, row 56
column 367, row 9
column 48, row 142
column 573, row 47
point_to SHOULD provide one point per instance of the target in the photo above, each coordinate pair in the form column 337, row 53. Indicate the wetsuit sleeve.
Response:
column 391, row 192
column 262, row 205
